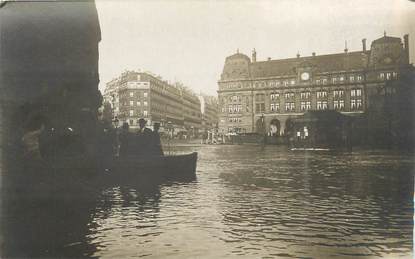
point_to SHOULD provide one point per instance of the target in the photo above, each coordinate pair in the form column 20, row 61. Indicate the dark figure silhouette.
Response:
column 125, row 140
column 156, row 148
column 142, row 143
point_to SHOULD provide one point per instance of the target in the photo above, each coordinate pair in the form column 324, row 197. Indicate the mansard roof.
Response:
column 387, row 39
column 323, row 63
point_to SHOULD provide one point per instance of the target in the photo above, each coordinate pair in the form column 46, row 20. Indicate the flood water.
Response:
column 246, row 202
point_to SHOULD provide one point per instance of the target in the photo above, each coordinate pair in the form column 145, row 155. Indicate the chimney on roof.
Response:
column 298, row 54
column 269, row 58
column 406, row 45
column 314, row 54
column 345, row 47
column 254, row 55
column 364, row 44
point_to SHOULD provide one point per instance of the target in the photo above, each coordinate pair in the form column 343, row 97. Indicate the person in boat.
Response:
column 143, row 139
column 125, row 140
column 156, row 147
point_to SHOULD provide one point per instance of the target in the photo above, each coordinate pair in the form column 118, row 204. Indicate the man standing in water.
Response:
column 156, row 147
column 143, row 139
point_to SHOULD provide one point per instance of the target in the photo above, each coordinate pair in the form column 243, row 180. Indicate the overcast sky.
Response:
column 188, row 41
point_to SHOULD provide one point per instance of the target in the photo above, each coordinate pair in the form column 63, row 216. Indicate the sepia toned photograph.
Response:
column 207, row 129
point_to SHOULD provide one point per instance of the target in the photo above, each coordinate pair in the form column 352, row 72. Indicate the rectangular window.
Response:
column 239, row 107
column 302, row 106
column 338, row 93
column 388, row 76
column 259, row 97
column 318, row 81
column 145, row 94
column 359, row 104
column 351, row 78
column 131, row 112
column 292, row 82
column 353, row 104
column 272, row 108
column 308, row 105
column 289, row 106
column 324, row 81
column 324, row 104
column 395, row 75
column 359, row 78
column 230, row 110
column 341, row 104
column 305, row 95
column 382, row 76
column 341, row 78
column 131, row 94
column 319, row 105
column 321, row 94
column 138, row 103
column 131, row 103
column 131, row 122
column 145, row 103
column 145, row 113
column 334, row 80
column 260, row 107
column 336, row 105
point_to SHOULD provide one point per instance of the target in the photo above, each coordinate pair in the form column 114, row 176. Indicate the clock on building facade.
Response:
column 305, row 76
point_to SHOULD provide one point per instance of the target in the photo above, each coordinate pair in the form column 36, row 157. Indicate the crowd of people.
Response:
column 143, row 143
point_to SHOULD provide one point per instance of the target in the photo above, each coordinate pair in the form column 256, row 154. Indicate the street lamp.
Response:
column 115, row 121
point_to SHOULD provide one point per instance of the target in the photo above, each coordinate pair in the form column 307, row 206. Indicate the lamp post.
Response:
column 115, row 122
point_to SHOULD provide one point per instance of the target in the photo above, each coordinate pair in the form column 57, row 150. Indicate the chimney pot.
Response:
column 253, row 55
column 314, row 54
column 364, row 44
column 269, row 58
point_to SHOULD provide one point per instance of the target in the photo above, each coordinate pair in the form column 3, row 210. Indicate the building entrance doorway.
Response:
column 274, row 127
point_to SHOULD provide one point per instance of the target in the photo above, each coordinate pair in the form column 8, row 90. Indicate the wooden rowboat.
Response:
column 126, row 167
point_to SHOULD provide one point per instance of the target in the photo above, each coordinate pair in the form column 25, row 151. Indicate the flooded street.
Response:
column 247, row 202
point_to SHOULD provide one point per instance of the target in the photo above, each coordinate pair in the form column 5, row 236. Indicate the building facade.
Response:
column 209, row 105
column 135, row 95
column 263, row 96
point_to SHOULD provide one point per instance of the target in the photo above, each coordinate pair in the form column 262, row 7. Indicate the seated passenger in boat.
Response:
column 142, row 141
column 125, row 139
column 156, row 149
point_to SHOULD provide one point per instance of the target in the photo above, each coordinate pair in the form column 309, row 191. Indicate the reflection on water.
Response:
column 246, row 202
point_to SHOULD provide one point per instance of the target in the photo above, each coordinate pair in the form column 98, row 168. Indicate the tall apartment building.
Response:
column 256, row 94
column 210, row 117
column 135, row 95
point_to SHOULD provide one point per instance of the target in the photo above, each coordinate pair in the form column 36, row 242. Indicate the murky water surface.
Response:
column 247, row 202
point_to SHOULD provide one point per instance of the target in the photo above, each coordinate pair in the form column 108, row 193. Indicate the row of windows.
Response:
column 319, row 81
column 145, row 103
column 291, row 95
column 355, row 104
column 145, row 94
column 388, row 75
column 322, row 81
column 235, row 119
column 145, row 113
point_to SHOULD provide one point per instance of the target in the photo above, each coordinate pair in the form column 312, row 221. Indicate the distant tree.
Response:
column 107, row 112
